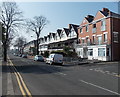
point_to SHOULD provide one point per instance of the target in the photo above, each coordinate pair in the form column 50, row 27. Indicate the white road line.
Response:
column 62, row 73
column 107, row 71
column 102, row 71
column 100, row 87
column 114, row 73
column 90, row 69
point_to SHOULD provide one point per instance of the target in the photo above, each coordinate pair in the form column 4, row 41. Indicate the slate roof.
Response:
column 75, row 27
column 59, row 32
column 89, row 18
column 67, row 31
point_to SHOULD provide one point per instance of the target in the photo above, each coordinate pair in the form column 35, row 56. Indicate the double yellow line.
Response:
column 21, row 83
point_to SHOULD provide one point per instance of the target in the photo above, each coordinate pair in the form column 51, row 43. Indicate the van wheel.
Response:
column 61, row 64
column 51, row 63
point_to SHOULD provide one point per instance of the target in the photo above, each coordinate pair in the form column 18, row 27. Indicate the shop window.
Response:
column 101, row 51
column 90, row 52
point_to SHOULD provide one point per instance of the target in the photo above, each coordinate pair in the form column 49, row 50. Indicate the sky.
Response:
column 60, row 14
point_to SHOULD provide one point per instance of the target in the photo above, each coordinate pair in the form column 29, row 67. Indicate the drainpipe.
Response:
column 111, row 24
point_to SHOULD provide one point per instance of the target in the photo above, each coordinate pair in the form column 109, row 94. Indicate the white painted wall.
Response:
column 95, row 52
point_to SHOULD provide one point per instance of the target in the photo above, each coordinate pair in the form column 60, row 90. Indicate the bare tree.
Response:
column 19, row 43
column 36, row 25
column 10, row 17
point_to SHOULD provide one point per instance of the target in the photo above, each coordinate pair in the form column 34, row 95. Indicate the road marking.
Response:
column 100, row 87
column 20, row 80
column 102, row 71
column 62, row 73
column 117, row 75
column 114, row 73
column 106, row 72
column 28, row 92
column 19, row 83
column 90, row 69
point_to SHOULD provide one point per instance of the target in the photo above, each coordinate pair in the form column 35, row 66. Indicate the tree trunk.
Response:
column 37, row 46
column 5, row 52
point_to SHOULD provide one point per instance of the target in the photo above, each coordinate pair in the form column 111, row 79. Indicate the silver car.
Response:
column 39, row 58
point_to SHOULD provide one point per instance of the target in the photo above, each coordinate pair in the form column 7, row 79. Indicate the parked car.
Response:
column 24, row 56
column 14, row 54
column 55, row 59
column 20, row 55
column 39, row 58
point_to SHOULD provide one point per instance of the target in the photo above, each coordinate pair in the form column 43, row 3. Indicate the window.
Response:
column 103, row 25
column 101, row 51
column 80, row 30
column 107, row 52
column 83, row 40
column 63, row 35
column 115, row 35
column 46, row 46
column 99, row 40
column 90, row 52
column 94, row 28
column 93, row 39
column 87, row 28
column 105, row 37
column 87, row 40
column 79, row 41
column 57, row 37
column 72, row 33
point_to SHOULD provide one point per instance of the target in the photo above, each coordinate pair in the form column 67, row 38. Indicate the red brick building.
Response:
column 99, row 36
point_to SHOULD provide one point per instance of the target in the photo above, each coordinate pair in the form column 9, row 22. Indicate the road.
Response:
column 44, row 79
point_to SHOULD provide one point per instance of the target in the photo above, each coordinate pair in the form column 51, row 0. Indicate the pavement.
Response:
column 7, row 83
column 43, row 79
column 0, row 76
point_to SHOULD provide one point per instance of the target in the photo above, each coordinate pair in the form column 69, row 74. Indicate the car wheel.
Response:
column 51, row 63
column 61, row 64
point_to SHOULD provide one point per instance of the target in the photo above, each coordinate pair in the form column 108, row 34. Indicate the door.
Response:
column 85, row 55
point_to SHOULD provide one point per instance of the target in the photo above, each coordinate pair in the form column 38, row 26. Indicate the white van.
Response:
column 54, row 59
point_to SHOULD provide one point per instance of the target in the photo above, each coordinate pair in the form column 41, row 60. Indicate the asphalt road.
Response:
column 44, row 79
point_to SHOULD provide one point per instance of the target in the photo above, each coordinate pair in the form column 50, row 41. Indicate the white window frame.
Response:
column 115, row 38
column 91, row 49
column 98, row 39
column 105, row 40
column 103, row 20
column 103, row 52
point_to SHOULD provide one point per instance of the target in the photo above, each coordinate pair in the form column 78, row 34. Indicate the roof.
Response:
column 89, row 18
column 59, row 32
column 45, row 37
column 66, row 31
column 75, row 27
column 115, row 14
column 53, row 34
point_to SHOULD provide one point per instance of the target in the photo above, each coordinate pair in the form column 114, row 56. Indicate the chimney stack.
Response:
column 90, row 16
column 105, row 10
